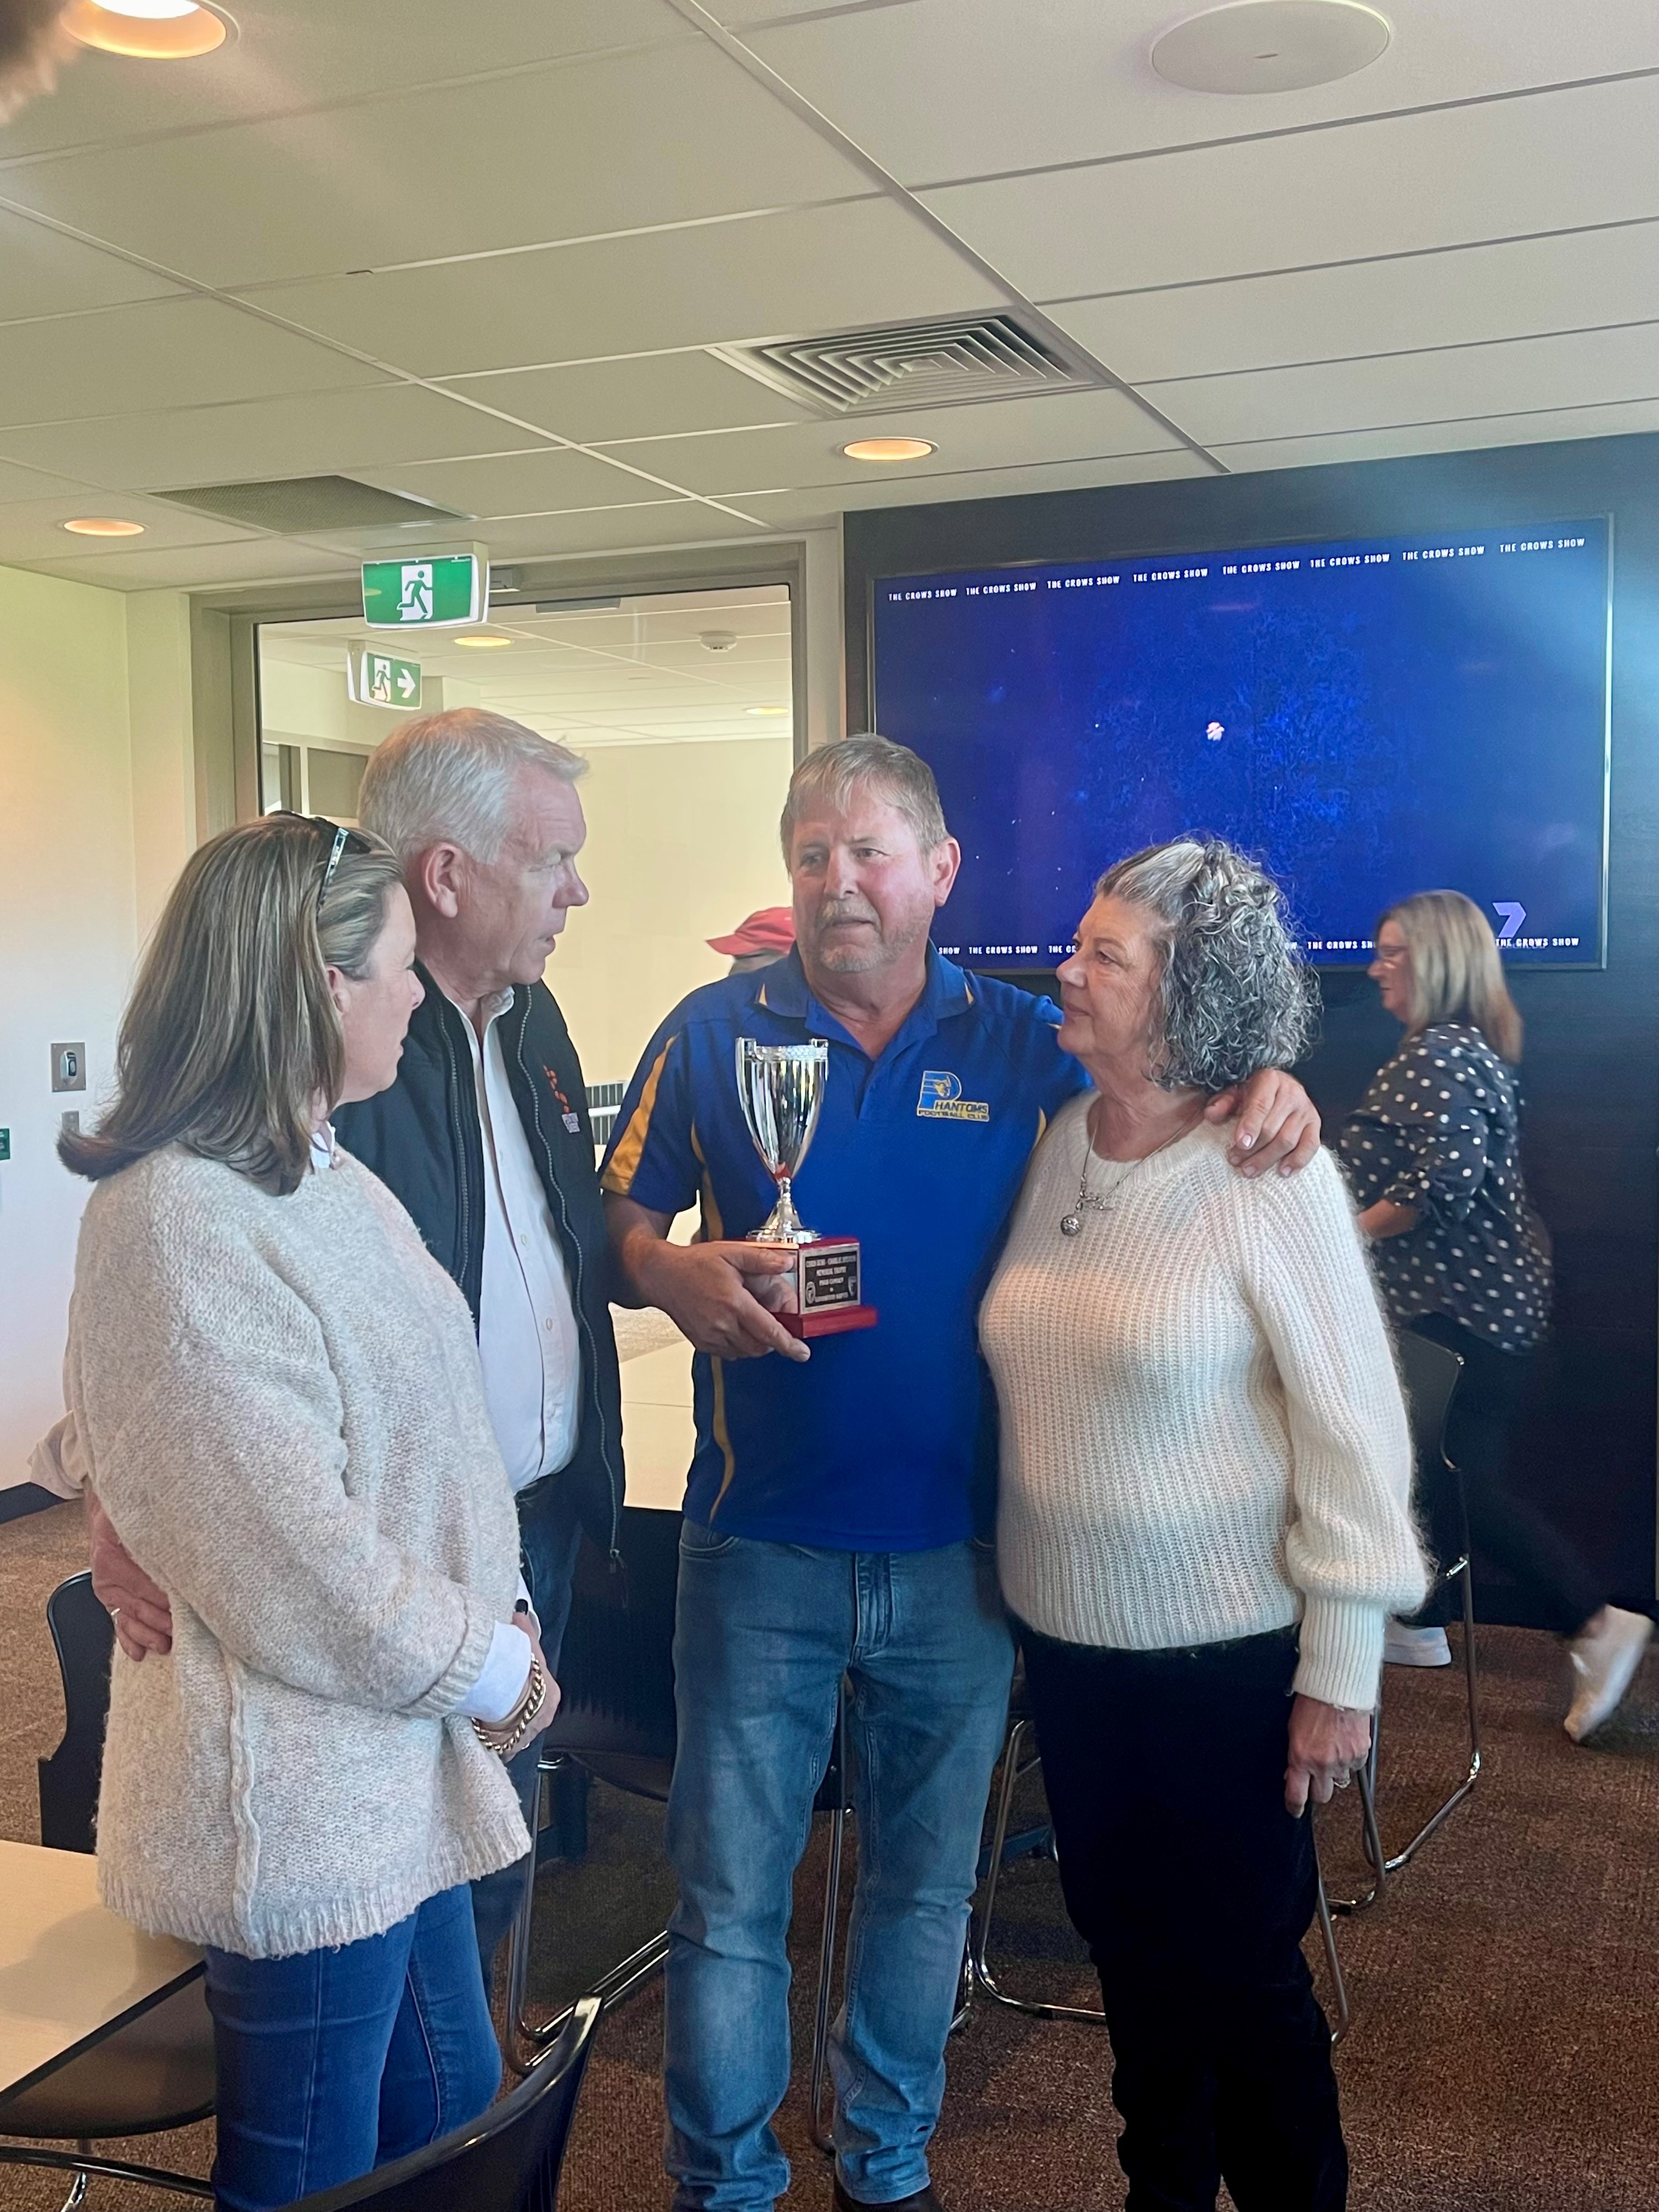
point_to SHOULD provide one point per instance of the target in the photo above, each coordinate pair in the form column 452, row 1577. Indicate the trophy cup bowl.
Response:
column 781, row 1088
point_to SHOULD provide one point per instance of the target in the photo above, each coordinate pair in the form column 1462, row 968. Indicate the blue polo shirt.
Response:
column 881, row 1442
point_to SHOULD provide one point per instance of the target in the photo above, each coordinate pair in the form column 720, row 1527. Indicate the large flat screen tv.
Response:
column 1370, row 717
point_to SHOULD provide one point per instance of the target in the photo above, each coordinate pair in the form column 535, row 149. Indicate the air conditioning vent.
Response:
column 293, row 504
column 934, row 364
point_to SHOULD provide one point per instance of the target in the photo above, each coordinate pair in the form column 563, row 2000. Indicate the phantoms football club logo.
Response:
column 941, row 1099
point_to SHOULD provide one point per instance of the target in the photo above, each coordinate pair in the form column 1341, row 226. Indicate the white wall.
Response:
column 681, row 843
column 68, row 912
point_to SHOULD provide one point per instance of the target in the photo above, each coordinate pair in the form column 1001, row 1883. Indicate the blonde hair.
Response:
column 231, row 1035
column 1457, row 974
column 834, row 773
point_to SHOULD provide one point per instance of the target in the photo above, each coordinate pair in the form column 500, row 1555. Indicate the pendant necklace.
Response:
column 1073, row 1222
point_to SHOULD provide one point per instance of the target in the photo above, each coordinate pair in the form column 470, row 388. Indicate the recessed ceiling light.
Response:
column 1271, row 45
column 766, row 710
column 887, row 449
column 482, row 641
column 149, row 30
column 104, row 525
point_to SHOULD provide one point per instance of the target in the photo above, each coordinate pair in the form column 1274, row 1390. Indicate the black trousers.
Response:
column 1193, row 1888
column 1484, row 1410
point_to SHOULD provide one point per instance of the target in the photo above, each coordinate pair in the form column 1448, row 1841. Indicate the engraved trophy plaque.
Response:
column 781, row 1087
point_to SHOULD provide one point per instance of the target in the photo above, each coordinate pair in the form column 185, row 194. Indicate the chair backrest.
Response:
column 615, row 1667
column 84, row 1637
column 506, row 2160
column 1429, row 1372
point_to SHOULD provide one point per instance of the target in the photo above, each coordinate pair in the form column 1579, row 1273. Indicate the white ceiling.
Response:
column 633, row 674
column 480, row 256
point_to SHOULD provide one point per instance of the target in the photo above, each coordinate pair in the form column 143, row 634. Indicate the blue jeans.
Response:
column 331, row 2062
column 763, row 1636
column 550, row 1536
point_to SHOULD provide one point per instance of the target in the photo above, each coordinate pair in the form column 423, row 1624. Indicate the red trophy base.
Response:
column 822, row 1289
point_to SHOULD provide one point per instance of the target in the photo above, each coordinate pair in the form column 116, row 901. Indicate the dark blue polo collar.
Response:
column 783, row 990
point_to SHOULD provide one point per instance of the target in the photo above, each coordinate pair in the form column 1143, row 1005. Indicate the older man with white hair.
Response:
column 484, row 1137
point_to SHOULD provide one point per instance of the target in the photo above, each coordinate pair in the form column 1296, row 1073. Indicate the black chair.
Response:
column 157, row 2072
column 506, row 2160
column 615, row 1722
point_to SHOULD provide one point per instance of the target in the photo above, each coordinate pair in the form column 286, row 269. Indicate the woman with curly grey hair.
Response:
column 1203, row 1523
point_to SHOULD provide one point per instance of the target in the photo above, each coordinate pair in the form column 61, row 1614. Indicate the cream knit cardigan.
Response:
column 1202, row 1431
column 279, row 1403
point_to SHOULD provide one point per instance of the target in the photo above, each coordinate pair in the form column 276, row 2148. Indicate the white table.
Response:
column 70, row 1971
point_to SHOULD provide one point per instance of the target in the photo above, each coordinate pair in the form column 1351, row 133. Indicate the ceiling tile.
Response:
column 812, row 270
column 37, row 483
column 344, row 431
column 43, row 273
column 1525, row 374
column 164, row 353
column 953, row 88
column 612, row 530
column 545, row 482
column 1450, row 178
column 32, row 530
column 1459, row 298
column 270, row 560
column 461, row 169
column 1627, row 419
column 301, row 52
column 993, row 433
column 806, row 509
column 652, row 395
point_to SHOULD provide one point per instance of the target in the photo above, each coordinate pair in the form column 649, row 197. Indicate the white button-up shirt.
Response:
column 527, row 1339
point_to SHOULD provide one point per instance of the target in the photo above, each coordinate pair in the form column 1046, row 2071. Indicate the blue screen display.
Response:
column 1370, row 717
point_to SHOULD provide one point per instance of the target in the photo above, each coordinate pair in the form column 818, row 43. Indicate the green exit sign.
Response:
column 5, row 1144
column 433, row 591
column 378, row 679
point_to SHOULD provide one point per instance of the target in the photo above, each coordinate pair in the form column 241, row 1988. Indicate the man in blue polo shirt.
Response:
column 839, row 1511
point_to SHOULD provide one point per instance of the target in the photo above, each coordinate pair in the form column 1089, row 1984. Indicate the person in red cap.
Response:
column 759, row 940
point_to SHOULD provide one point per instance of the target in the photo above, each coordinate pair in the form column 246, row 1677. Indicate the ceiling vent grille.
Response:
column 943, row 363
column 292, row 504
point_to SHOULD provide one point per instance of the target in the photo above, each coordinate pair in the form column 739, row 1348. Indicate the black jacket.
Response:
column 423, row 1140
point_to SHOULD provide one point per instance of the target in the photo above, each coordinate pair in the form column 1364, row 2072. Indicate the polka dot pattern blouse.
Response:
column 1439, row 1130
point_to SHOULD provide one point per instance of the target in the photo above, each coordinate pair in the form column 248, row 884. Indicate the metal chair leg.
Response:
column 78, row 2186
column 1403, row 1857
column 979, row 1926
column 1370, row 1837
column 82, row 2160
column 1333, row 1965
column 526, row 2039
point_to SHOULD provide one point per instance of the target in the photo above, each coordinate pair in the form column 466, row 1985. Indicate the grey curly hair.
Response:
column 1235, row 995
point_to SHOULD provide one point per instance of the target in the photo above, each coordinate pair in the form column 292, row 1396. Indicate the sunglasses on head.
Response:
column 340, row 840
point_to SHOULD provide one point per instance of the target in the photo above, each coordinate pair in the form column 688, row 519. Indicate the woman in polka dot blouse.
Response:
column 1433, row 1156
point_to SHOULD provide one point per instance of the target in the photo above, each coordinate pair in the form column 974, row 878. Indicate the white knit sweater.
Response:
column 1202, row 1431
column 279, row 1400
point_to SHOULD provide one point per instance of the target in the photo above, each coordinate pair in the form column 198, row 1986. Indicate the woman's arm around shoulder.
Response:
column 1351, row 1549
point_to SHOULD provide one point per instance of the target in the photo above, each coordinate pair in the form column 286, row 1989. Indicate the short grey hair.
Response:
column 1235, row 995
column 449, row 778
column 834, row 773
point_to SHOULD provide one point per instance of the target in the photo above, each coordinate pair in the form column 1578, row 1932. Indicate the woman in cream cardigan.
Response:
column 275, row 1393
column 1203, row 1525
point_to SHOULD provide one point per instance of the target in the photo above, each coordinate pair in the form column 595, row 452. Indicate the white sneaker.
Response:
column 1415, row 1647
column 1604, row 1658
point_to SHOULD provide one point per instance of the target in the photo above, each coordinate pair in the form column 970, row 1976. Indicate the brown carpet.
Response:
column 1502, row 2055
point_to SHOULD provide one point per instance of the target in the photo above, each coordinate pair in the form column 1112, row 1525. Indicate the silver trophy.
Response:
column 781, row 1087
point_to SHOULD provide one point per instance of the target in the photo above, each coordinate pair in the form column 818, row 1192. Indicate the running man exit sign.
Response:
column 380, row 679
column 433, row 590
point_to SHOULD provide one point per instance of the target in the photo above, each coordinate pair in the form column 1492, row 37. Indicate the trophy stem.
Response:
column 783, row 1225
